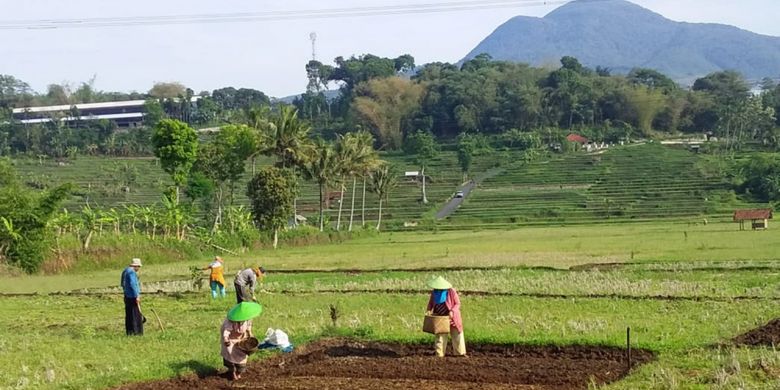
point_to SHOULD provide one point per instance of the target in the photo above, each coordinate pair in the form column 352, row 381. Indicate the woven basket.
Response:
column 436, row 324
column 249, row 346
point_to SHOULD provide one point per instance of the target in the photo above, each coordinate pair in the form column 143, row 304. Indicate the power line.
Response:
column 239, row 17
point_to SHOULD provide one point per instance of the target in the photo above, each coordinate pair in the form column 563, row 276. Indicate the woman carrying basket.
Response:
column 444, row 301
column 235, row 331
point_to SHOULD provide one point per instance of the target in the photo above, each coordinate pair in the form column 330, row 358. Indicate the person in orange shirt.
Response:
column 217, row 277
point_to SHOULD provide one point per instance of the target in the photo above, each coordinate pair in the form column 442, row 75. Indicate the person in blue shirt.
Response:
column 134, row 320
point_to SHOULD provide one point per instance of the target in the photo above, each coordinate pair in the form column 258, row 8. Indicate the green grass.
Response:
column 77, row 341
column 80, row 338
column 561, row 247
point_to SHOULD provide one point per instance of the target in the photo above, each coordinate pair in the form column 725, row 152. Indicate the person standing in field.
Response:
column 217, row 277
column 444, row 301
column 236, row 328
column 245, row 283
column 134, row 320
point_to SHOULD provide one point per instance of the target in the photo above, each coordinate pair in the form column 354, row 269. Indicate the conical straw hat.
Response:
column 439, row 283
column 244, row 311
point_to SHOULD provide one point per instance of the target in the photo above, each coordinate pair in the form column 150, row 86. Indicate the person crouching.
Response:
column 236, row 328
column 444, row 301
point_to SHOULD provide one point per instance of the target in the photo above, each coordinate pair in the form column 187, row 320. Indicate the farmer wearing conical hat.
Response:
column 236, row 328
column 217, row 277
column 444, row 301
column 134, row 320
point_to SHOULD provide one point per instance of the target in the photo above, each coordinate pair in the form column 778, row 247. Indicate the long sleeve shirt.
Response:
column 247, row 278
column 130, row 284
column 453, row 305
column 231, row 334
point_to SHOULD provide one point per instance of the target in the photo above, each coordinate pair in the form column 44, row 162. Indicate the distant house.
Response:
column 759, row 218
column 577, row 138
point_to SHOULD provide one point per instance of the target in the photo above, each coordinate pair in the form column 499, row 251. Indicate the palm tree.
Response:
column 256, row 117
column 346, row 163
column 321, row 167
column 287, row 138
column 365, row 160
column 383, row 180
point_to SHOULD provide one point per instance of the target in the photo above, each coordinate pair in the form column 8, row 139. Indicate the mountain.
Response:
column 621, row 35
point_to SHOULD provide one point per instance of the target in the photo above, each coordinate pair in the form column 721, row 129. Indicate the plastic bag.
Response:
column 277, row 337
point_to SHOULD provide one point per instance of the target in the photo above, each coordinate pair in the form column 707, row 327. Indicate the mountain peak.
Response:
column 621, row 35
column 602, row 9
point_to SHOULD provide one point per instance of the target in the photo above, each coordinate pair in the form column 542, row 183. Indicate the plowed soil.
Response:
column 768, row 335
column 348, row 364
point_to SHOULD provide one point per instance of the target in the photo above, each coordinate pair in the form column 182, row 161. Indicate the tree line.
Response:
column 393, row 98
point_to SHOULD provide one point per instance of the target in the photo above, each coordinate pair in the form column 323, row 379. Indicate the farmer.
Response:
column 444, row 301
column 134, row 320
column 236, row 328
column 217, row 277
column 245, row 283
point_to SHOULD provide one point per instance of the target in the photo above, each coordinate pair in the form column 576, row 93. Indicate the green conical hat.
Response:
column 244, row 311
column 439, row 283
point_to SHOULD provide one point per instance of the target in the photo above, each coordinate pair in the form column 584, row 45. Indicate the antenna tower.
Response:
column 313, row 38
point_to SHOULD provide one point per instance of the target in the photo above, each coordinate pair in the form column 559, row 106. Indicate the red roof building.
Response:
column 759, row 218
column 577, row 138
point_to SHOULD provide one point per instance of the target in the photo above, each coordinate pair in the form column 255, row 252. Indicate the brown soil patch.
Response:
column 768, row 335
column 349, row 364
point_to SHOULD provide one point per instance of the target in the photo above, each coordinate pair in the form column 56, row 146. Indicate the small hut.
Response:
column 759, row 218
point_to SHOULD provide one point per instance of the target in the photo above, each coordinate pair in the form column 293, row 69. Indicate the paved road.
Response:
column 454, row 203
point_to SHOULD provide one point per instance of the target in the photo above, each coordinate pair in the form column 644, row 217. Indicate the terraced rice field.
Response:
column 114, row 182
column 632, row 183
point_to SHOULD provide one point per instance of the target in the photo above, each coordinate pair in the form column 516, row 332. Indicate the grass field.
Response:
column 685, row 291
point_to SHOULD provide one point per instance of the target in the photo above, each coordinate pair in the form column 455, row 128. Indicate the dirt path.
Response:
column 349, row 364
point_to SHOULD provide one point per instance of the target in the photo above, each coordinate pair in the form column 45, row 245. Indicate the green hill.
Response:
column 114, row 182
column 624, row 184
column 631, row 183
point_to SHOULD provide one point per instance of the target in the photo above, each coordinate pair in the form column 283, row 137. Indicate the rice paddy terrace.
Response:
column 115, row 182
column 624, row 184
column 632, row 183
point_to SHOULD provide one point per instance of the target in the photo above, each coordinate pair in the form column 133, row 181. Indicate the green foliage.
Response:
column 762, row 177
column 422, row 145
column 652, row 79
column 176, row 145
column 25, row 215
column 154, row 112
column 384, row 104
column 286, row 138
column 272, row 192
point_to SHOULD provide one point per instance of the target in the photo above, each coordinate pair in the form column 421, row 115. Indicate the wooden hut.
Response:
column 759, row 218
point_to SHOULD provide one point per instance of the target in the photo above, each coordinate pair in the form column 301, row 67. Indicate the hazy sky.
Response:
column 270, row 55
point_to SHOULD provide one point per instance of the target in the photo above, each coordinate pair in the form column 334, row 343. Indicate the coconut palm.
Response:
column 321, row 167
column 257, row 118
column 383, row 180
column 346, row 164
column 286, row 137
column 365, row 160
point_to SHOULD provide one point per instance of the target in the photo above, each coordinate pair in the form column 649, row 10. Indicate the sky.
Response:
column 270, row 55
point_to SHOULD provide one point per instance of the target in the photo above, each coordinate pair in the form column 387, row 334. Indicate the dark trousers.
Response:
column 134, row 324
column 242, row 293
column 238, row 368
